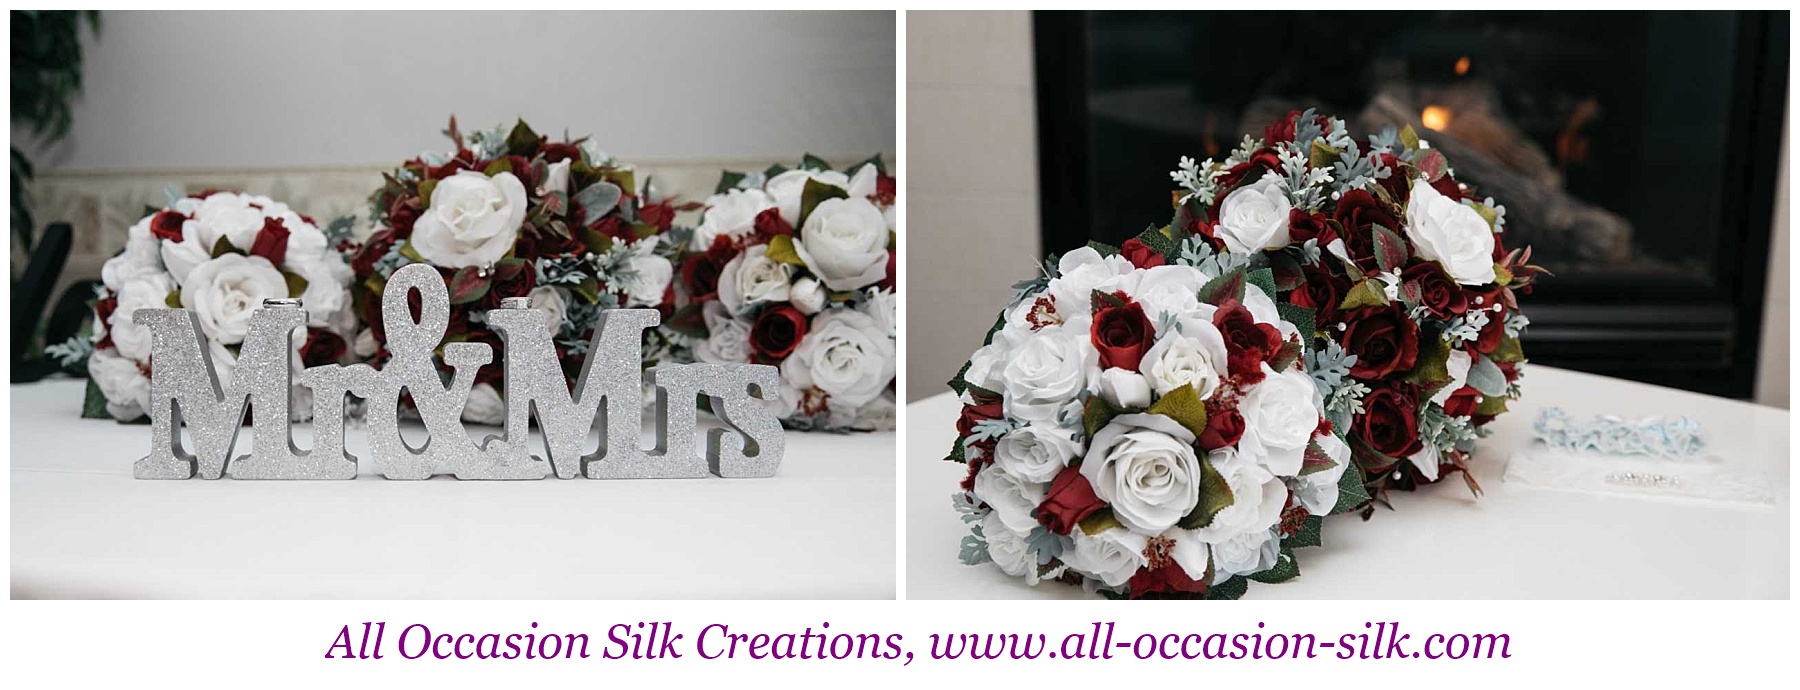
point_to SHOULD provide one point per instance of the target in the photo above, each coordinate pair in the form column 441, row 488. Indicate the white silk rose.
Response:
column 553, row 301
column 727, row 337
column 225, row 291
column 1257, row 498
column 1112, row 556
column 844, row 243
column 647, row 275
column 229, row 216
column 1080, row 273
column 1046, row 370
column 1011, row 497
column 146, row 291
column 1318, row 491
column 732, row 214
column 785, row 189
column 807, row 295
column 1124, row 389
column 1280, row 415
column 1451, row 234
column 1169, row 290
column 1008, row 548
column 122, row 383
column 1036, row 453
column 1247, row 553
column 1144, row 466
column 752, row 277
column 472, row 219
column 1255, row 217
column 484, row 406
column 1195, row 356
column 845, row 354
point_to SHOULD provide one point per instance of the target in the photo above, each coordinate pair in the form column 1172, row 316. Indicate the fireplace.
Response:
column 1636, row 151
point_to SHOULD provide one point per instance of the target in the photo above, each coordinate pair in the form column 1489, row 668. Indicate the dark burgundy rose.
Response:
column 362, row 261
column 402, row 214
column 660, row 215
column 700, row 276
column 892, row 279
column 768, row 224
column 1398, row 185
column 521, row 168
column 452, row 167
column 884, row 189
column 1463, row 402
column 1322, row 293
column 1493, row 332
column 271, row 241
column 1282, row 130
column 1263, row 160
column 536, row 243
column 1449, row 187
column 1140, row 254
column 509, row 279
column 1389, row 423
column 103, row 312
column 1438, row 292
column 1121, row 333
column 776, row 332
column 615, row 227
column 1357, row 213
column 1303, row 226
column 1168, row 579
column 1384, row 341
column 1223, row 428
column 1070, row 500
column 556, row 153
column 322, row 347
column 975, row 414
column 167, row 225
column 1247, row 343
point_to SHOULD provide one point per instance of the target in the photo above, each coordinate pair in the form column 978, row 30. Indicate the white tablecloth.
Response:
column 82, row 527
column 1440, row 542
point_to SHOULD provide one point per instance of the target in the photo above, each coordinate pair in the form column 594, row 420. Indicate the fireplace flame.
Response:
column 1462, row 65
column 1435, row 117
column 1571, row 142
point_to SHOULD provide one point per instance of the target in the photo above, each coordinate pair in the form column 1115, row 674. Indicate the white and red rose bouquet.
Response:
column 1143, row 425
column 795, row 268
column 1403, row 271
column 510, row 213
column 219, row 254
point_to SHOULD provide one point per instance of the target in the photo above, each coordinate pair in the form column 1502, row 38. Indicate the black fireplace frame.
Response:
column 1699, row 335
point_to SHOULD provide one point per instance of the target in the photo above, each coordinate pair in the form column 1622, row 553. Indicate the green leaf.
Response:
column 1100, row 521
column 815, row 163
column 467, row 285
column 521, row 141
column 1486, row 214
column 1311, row 533
column 1368, row 293
column 173, row 299
column 1228, row 590
column 1409, row 138
column 1491, row 405
column 1227, row 287
column 1314, row 459
column 958, row 383
column 1101, row 300
column 1095, row 414
column 296, row 284
column 1485, row 376
column 728, row 181
column 1322, row 155
column 1508, row 350
column 1184, row 406
column 1286, row 270
column 774, row 170
column 1432, row 165
column 1285, row 357
column 1104, row 248
column 499, row 165
column 1215, row 495
column 1285, row 568
column 813, row 194
column 1431, row 366
column 93, row 403
column 1351, row 492
column 596, row 241
column 1302, row 318
column 1390, row 250
column 874, row 160
column 223, row 247
column 688, row 321
column 1263, row 278
column 957, row 454
column 425, row 190
column 599, row 199
column 781, row 248
column 409, row 252
column 588, row 289
column 556, row 203
column 1158, row 240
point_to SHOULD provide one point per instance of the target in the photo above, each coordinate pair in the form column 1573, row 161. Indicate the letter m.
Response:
column 185, row 389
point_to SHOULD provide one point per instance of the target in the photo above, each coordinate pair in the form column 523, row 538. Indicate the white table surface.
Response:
column 823, row 527
column 1441, row 542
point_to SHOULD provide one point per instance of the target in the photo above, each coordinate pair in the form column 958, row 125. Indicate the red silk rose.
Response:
column 1262, row 161
column 1384, row 341
column 1247, row 343
column 167, row 225
column 1439, row 294
column 1070, row 499
column 1322, row 293
column 1389, row 423
column 700, row 276
column 1358, row 212
column 768, row 224
column 1463, row 402
column 1223, row 428
column 271, row 242
column 1122, row 333
column 1140, row 254
column 1303, row 226
column 322, row 347
column 776, row 332
column 660, row 215
column 1167, row 579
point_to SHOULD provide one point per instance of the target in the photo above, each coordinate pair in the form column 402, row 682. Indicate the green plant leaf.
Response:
column 813, row 194
column 598, row 199
column 1263, row 278
column 1508, row 350
column 425, row 189
column 1302, row 318
column 223, row 247
column 814, row 163
column 1351, row 492
column 1311, row 533
column 407, row 250
column 499, row 165
column 1158, row 240
column 1285, row 357
column 1431, row 366
column 1285, row 568
column 1390, row 250
column 588, row 289
column 1215, row 495
column 874, row 160
column 521, row 141
column 1104, row 248
column 728, row 181
column 1409, row 138
column 1491, row 405
column 93, row 403
column 1095, row 414
column 1229, row 590
column 781, row 248
column 173, row 299
column 688, row 321
column 1368, row 293
column 1227, row 287
column 1100, row 521
column 467, row 285
column 1485, row 376
column 296, row 284
column 1321, row 154
column 1184, row 406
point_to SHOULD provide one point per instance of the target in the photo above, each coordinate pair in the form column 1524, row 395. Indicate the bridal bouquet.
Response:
column 220, row 255
column 1403, row 273
column 795, row 268
column 509, row 213
column 1142, row 424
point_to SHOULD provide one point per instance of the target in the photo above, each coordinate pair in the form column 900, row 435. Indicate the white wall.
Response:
column 972, row 206
column 1773, row 368
column 185, row 90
